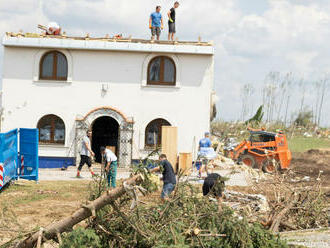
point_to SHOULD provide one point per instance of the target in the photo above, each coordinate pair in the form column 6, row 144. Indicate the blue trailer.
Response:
column 19, row 155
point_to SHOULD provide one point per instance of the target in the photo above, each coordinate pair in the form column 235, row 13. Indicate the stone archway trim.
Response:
column 127, row 120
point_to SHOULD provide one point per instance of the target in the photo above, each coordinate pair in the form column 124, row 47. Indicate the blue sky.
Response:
column 251, row 37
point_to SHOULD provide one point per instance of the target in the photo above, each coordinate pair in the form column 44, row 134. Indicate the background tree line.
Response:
column 287, row 99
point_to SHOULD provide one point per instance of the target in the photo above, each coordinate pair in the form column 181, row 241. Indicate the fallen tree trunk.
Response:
column 66, row 224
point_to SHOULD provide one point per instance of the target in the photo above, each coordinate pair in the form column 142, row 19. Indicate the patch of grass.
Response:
column 24, row 192
column 28, row 199
column 302, row 144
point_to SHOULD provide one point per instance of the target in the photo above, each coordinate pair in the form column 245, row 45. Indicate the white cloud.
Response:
column 283, row 35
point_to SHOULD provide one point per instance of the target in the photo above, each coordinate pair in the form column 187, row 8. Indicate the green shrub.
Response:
column 304, row 118
column 81, row 238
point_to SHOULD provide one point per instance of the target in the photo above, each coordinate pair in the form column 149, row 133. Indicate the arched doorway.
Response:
column 105, row 133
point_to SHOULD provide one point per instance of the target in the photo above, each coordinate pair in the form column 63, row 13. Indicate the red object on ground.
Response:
column 22, row 165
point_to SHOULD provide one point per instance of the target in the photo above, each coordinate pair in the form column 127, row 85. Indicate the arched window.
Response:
column 161, row 71
column 51, row 129
column 153, row 133
column 53, row 66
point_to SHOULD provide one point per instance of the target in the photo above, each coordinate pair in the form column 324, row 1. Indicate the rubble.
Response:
column 256, row 202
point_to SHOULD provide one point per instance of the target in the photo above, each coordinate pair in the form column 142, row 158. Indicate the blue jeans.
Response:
column 167, row 190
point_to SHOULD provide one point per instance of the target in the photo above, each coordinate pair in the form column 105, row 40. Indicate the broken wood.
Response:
column 40, row 237
column 53, row 230
column 170, row 144
column 276, row 221
column 288, row 225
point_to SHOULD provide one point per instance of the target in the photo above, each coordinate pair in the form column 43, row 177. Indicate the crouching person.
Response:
column 169, row 178
column 214, row 185
column 110, row 166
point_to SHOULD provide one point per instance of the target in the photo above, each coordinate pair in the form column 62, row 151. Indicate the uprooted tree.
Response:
column 54, row 230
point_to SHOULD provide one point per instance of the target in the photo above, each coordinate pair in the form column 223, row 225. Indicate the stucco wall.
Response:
column 26, row 99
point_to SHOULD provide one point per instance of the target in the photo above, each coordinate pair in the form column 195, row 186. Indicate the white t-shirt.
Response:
column 110, row 156
column 84, row 150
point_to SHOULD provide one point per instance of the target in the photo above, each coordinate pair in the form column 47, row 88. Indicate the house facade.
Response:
column 122, row 90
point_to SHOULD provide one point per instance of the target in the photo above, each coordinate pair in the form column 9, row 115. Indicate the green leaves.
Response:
column 81, row 238
column 257, row 118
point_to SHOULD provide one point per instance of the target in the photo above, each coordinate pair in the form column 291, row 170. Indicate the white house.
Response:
column 123, row 90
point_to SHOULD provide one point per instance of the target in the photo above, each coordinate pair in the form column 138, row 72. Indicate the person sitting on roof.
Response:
column 53, row 29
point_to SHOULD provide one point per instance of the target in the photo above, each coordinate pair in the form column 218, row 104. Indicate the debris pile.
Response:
column 249, row 203
column 186, row 220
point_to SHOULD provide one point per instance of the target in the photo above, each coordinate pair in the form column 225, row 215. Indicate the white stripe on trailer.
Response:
column 1, row 174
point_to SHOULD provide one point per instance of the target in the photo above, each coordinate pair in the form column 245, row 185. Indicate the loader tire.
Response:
column 270, row 166
column 248, row 160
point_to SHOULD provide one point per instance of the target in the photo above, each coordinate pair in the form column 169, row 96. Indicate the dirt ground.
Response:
column 27, row 205
column 311, row 163
column 304, row 170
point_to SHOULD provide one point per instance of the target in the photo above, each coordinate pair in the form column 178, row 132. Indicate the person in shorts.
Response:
column 156, row 23
column 171, row 21
column 85, row 154
column 169, row 178
column 204, row 144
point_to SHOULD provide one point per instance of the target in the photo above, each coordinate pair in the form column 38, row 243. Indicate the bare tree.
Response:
column 317, row 86
column 284, row 91
column 270, row 93
column 324, row 87
column 302, row 87
column 246, row 95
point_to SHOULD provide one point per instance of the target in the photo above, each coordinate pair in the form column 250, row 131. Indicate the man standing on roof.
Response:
column 86, row 153
column 156, row 23
column 110, row 166
column 171, row 21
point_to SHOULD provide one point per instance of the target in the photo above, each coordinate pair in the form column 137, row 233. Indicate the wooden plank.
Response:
column 112, row 148
column 170, row 144
column 185, row 162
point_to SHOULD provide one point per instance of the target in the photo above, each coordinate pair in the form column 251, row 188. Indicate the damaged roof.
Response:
column 106, row 43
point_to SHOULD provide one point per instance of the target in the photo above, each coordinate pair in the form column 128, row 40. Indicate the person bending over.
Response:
column 110, row 165
column 214, row 185
column 169, row 178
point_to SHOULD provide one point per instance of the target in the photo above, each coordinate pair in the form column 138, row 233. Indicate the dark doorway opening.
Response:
column 105, row 133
